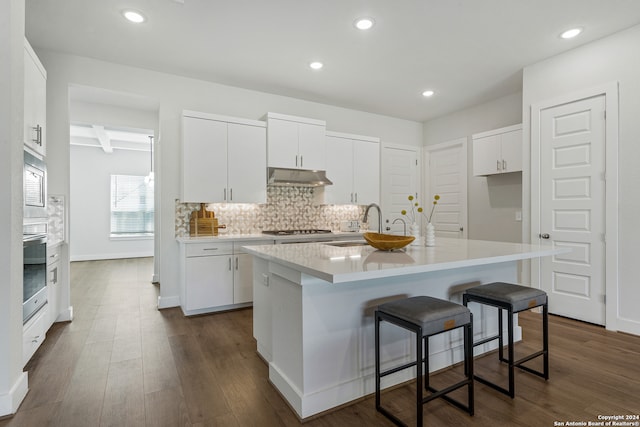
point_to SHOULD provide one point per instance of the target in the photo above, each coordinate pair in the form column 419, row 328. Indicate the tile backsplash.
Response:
column 287, row 208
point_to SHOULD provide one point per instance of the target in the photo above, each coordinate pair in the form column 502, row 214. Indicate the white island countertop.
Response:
column 338, row 264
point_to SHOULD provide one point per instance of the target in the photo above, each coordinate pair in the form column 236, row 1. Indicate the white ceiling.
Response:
column 468, row 51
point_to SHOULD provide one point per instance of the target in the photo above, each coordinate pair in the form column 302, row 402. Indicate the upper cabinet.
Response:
column 224, row 159
column 35, row 101
column 354, row 169
column 295, row 142
column 498, row 151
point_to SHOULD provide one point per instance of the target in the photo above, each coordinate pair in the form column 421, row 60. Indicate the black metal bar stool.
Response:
column 513, row 298
column 426, row 316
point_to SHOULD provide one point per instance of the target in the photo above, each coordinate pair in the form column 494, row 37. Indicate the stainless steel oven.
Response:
column 34, row 280
column 35, row 187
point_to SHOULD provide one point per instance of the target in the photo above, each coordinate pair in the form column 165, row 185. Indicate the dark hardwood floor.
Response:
column 121, row 362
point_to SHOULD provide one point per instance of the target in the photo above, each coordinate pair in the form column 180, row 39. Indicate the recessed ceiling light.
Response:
column 133, row 16
column 569, row 34
column 428, row 93
column 316, row 65
column 364, row 23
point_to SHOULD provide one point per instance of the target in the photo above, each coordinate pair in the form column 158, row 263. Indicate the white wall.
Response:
column 13, row 382
column 492, row 201
column 175, row 94
column 614, row 58
column 90, row 174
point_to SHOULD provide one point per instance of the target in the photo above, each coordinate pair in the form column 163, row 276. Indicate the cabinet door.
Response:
column 35, row 103
column 242, row 279
column 486, row 155
column 247, row 166
column 511, row 150
column 209, row 282
column 204, row 160
column 339, row 171
column 312, row 146
column 282, row 143
column 366, row 172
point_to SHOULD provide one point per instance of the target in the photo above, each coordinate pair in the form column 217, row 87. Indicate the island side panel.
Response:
column 334, row 361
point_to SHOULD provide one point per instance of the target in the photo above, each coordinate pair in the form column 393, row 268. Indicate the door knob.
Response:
column 544, row 236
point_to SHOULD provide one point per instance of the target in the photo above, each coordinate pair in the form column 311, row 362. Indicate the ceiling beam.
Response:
column 104, row 139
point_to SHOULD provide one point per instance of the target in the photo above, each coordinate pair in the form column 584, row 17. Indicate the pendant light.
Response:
column 150, row 178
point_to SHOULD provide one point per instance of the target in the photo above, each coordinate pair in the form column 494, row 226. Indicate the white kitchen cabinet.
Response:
column 243, row 271
column 35, row 101
column 498, row 151
column 295, row 142
column 354, row 169
column 207, row 276
column 224, row 159
column 53, row 287
column 34, row 332
column 216, row 276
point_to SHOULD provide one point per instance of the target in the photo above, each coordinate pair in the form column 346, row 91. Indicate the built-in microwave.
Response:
column 35, row 187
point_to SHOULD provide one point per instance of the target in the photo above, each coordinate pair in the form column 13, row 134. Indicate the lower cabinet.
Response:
column 53, row 288
column 216, row 276
column 34, row 333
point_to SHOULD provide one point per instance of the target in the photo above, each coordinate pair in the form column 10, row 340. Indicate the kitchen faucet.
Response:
column 366, row 215
column 404, row 224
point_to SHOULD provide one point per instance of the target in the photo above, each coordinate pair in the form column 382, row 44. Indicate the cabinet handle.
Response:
column 301, row 161
column 356, row 198
column 210, row 249
column 38, row 139
column 229, row 264
column 504, row 165
column 296, row 160
column 224, row 197
column 497, row 165
column 236, row 263
column 231, row 194
column 351, row 197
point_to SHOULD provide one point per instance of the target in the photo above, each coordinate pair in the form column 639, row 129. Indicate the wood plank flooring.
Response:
column 121, row 362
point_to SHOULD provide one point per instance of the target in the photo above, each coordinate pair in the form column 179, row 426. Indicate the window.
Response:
column 131, row 206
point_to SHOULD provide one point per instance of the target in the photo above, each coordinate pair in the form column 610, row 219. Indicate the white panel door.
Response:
column 572, row 206
column 312, row 147
column 282, row 143
column 366, row 172
column 447, row 177
column 399, row 180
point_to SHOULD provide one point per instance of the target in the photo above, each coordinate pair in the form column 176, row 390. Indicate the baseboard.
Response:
column 123, row 255
column 65, row 315
column 10, row 402
column 168, row 302
column 628, row 326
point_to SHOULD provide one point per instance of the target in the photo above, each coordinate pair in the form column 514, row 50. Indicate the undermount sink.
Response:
column 347, row 244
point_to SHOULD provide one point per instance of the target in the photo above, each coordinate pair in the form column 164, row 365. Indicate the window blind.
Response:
column 131, row 206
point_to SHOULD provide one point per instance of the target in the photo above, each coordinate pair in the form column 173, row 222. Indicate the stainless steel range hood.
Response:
column 296, row 177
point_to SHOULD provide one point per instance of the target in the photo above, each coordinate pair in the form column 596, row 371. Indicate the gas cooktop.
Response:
column 292, row 232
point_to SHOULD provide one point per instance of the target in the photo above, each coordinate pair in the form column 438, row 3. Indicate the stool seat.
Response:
column 432, row 314
column 518, row 296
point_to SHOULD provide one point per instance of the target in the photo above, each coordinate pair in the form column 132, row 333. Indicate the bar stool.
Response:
column 426, row 316
column 513, row 298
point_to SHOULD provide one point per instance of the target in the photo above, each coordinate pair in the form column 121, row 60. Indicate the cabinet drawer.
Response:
column 34, row 333
column 207, row 249
column 53, row 255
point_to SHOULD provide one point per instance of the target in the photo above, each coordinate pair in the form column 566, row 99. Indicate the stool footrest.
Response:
column 397, row 369
column 486, row 340
column 451, row 400
column 492, row 385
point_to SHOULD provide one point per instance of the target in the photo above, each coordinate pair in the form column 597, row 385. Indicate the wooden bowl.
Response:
column 387, row 242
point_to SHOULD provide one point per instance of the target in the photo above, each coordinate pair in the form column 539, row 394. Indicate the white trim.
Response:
column 296, row 119
column 497, row 131
column 119, row 255
column 10, row 402
column 168, row 302
column 220, row 118
column 463, row 142
column 611, row 94
column 352, row 136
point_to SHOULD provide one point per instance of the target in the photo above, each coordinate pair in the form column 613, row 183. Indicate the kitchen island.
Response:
column 314, row 305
